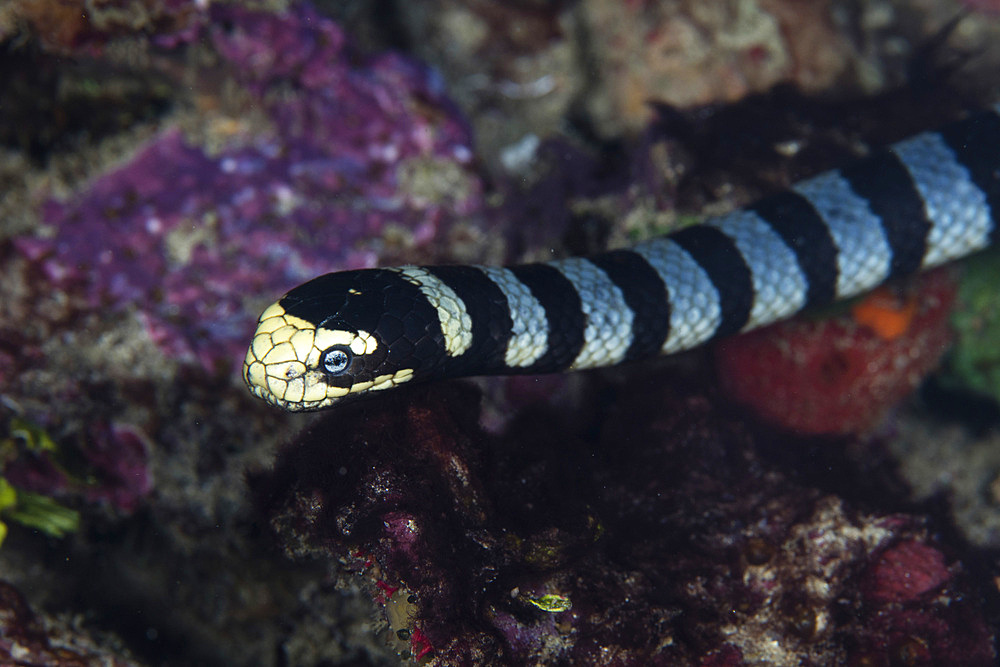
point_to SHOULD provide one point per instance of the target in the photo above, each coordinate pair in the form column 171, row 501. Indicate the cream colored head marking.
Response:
column 296, row 366
column 456, row 324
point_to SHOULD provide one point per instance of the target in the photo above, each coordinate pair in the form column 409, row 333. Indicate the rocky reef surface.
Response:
column 814, row 493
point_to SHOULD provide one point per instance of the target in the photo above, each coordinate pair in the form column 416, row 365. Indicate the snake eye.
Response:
column 336, row 359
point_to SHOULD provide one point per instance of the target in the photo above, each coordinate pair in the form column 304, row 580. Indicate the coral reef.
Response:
column 285, row 153
column 27, row 640
column 170, row 166
column 841, row 375
column 194, row 240
column 988, row 6
column 955, row 463
column 110, row 464
column 974, row 363
column 73, row 27
column 643, row 529
column 521, row 70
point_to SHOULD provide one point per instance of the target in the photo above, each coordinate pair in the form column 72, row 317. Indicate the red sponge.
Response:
column 841, row 375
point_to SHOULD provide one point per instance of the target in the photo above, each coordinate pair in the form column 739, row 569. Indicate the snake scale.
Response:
column 919, row 203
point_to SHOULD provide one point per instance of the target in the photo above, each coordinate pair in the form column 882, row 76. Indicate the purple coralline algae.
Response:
column 197, row 241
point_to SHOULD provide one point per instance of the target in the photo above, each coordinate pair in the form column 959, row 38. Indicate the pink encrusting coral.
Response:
column 194, row 241
column 906, row 571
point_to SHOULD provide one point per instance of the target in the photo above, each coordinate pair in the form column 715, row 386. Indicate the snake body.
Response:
column 924, row 201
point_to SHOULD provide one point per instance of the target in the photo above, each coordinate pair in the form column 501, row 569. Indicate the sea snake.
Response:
column 926, row 200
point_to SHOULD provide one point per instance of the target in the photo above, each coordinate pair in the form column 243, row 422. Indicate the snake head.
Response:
column 335, row 337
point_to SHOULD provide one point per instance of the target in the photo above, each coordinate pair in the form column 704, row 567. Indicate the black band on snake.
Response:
column 922, row 202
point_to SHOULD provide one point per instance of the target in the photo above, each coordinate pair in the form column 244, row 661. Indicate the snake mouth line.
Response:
column 288, row 363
